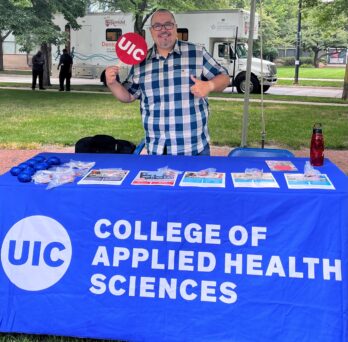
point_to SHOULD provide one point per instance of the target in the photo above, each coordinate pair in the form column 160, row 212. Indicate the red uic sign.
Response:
column 131, row 48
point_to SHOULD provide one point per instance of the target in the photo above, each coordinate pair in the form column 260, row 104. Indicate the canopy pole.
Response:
column 263, row 124
column 248, row 72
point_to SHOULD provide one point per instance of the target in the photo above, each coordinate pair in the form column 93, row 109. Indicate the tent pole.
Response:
column 248, row 72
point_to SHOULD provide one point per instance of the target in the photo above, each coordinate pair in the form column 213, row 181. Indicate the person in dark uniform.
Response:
column 38, row 62
column 65, row 65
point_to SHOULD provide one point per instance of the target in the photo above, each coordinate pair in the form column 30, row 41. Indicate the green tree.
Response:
column 278, row 23
column 318, row 37
column 12, row 20
column 326, row 11
column 32, row 22
column 143, row 9
column 43, row 31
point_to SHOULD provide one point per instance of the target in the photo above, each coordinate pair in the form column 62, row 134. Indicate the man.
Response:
column 65, row 64
column 38, row 62
column 172, row 84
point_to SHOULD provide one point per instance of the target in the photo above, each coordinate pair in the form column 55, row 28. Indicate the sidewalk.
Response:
column 10, row 158
column 275, row 90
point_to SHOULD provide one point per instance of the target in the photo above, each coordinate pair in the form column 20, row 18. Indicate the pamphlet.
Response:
column 203, row 179
column 159, row 177
column 281, row 165
column 104, row 177
column 250, row 180
column 300, row 181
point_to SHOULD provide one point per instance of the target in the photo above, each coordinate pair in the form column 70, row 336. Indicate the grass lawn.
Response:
column 328, row 73
column 34, row 119
column 311, row 83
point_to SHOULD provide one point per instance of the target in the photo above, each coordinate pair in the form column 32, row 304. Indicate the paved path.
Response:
column 275, row 90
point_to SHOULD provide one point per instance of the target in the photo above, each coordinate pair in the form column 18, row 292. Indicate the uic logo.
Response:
column 131, row 49
column 36, row 253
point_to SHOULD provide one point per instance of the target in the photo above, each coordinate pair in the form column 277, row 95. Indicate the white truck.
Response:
column 222, row 32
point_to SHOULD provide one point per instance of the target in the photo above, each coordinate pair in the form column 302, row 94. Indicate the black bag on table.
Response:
column 104, row 144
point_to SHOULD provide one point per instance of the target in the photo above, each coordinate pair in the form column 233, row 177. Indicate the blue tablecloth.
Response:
column 155, row 263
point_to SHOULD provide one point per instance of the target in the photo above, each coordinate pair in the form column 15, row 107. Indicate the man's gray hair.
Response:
column 163, row 10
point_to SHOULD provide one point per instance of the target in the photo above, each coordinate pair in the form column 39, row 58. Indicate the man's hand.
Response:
column 117, row 89
column 201, row 88
column 110, row 74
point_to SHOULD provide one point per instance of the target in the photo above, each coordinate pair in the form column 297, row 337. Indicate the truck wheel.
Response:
column 265, row 88
column 254, row 85
column 103, row 78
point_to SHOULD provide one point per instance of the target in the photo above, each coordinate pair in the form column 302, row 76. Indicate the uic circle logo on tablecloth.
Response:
column 36, row 253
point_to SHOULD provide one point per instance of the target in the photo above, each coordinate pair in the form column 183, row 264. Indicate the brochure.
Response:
column 104, row 176
column 281, row 165
column 250, row 180
column 203, row 179
column 300, row 181
column 159, row 177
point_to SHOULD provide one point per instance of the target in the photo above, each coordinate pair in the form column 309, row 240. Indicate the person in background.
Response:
column 172, row 84
column 38, row 62
column 65, row 65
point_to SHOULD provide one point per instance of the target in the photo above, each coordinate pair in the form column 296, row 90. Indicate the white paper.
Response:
column 300, row 181
column 203, row 179
column 104, row 177
column 249, row 180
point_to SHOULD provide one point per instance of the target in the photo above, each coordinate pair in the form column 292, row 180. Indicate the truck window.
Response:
column 113, row 34
column 182, row 34
column 242, row 51
column 223, row 50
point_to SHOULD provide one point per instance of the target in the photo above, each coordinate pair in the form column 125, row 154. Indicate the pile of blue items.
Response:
column 26, row 170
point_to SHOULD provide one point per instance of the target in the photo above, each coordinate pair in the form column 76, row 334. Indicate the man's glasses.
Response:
column 167, row 26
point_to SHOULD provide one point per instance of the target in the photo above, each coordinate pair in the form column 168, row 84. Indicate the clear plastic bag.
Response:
column 61, row 176
column 42, row 176
column 80, row 168
column 254, row 172
column 310, row 171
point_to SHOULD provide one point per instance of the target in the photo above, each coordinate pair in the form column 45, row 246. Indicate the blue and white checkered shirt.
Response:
column 172, row 116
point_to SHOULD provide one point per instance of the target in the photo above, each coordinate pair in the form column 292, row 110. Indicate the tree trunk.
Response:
column 2, row 39
column 47, row 69
column 1, row 54
column 316, row 58
column 345, row 84
column 138, row 24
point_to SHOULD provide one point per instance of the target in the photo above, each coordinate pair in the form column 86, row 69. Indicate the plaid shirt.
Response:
column 172, row 116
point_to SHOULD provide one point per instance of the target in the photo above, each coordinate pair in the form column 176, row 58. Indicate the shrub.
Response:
column 290, row 61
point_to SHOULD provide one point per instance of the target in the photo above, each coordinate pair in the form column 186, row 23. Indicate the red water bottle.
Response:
column 317, row 146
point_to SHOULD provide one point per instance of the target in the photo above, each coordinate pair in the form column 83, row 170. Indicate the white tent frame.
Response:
column 248, row 73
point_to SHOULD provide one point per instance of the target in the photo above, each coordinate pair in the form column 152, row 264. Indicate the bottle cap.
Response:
column 317, row 128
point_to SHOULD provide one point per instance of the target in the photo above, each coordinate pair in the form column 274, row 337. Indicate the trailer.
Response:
column 222, row 32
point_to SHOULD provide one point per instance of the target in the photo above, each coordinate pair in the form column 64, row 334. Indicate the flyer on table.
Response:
column 250, row 180
column 203, row 179
column 105, row 176
column 159, row 177
column 300, row 181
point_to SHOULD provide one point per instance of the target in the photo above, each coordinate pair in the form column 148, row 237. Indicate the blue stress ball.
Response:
column 31, row 162
column 41, row 166
column 24, row 177
column 39, row 159
column 15, row 171
column 53, row 161
column 23, row 165
column 29, row 170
